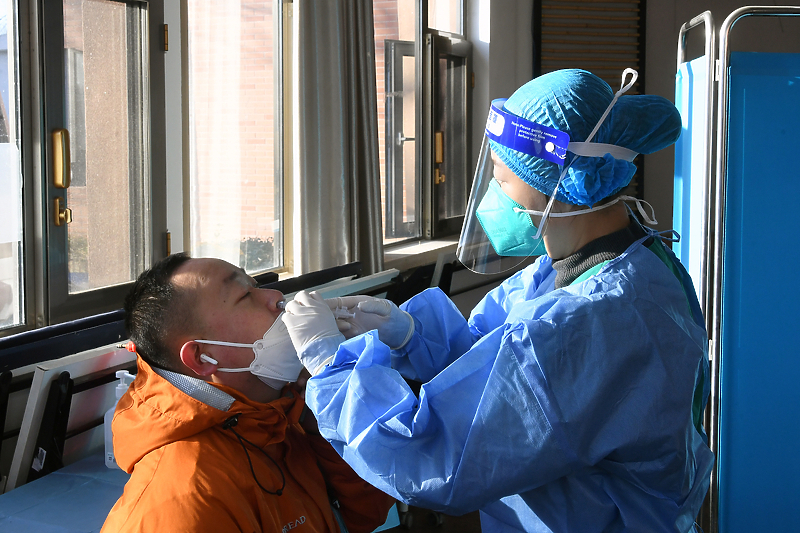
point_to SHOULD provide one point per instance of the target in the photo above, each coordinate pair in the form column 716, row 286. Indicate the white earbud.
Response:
column 207, row 359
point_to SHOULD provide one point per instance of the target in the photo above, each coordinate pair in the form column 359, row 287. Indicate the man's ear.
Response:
column 192, row 357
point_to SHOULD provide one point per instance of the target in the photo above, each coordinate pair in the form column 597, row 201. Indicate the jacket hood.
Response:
column 153, row 413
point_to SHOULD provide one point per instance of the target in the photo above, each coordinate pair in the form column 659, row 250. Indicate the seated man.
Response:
column 211, row 436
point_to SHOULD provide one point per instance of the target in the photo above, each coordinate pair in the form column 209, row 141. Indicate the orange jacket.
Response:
column 190, row 474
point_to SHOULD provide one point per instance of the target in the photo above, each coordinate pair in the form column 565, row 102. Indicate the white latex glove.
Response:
column 358, row 314
column 313, row 330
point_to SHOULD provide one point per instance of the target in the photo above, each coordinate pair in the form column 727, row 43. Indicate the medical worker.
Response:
column 572, row 398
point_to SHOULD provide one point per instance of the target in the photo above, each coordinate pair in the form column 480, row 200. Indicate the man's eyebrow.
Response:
column 237, row 273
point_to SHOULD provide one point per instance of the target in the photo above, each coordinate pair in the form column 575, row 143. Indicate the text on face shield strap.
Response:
column 526, row 136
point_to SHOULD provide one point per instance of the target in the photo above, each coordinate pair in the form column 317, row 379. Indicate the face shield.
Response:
column 499, row 232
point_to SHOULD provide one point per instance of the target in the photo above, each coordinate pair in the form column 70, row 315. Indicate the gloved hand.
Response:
column 313, row 330
column 358, row 314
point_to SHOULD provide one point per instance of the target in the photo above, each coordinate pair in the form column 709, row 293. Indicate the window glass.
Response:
column 104, row 98
column 446, row 15
column 235, row 140
column 395, row 22
column 11, row 249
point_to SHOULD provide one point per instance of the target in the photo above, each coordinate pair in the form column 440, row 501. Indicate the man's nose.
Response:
column 273, row 299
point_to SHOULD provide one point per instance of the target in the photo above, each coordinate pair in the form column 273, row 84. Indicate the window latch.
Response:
column 63, row 215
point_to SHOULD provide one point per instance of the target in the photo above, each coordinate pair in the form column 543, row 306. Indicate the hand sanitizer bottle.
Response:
column 125, row 379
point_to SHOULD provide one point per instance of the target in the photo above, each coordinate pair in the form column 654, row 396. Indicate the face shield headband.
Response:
column 587, row 148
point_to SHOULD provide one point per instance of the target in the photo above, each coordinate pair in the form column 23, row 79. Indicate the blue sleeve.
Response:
column 441, row 336
column 527, row 284
column 447, row 450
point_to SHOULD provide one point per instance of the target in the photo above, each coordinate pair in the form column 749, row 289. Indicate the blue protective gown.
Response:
column 565, row 410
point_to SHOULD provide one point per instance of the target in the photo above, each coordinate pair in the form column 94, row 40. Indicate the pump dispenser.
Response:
column 125, row 380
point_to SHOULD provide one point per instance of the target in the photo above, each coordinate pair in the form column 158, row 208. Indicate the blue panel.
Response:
column 691, row 157
column 759, row 463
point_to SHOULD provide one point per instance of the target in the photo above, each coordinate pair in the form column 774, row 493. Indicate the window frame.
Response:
column 28, row 99
column 62, row 305
column 393, row 206
column 441, row 45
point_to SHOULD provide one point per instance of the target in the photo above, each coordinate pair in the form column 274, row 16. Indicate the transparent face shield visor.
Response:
column 499, row 233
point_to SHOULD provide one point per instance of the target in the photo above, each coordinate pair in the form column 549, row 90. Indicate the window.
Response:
column 446, row 15
column 235, row 137
column 77, row 157
column 447, row 168
column 85, row 169
column 103, row 77
column 96, row 140
column 423, row 119
column 85, row 165
column 395, row 30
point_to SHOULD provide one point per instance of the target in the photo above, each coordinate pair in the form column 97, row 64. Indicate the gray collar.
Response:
column 598, row 251
column 197, row 389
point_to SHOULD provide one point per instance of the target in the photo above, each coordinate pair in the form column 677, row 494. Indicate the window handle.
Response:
column 401, row 138
column 61, row 160
column 438, row 147
column 438, row 156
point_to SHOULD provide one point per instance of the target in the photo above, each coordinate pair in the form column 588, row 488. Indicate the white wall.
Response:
column 173, row 74
column 502, row 64
column 477, row 12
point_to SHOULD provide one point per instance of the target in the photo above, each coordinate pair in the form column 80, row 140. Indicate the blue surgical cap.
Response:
column 573, row 101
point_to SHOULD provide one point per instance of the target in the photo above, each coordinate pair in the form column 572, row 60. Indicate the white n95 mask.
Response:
column 276, row 362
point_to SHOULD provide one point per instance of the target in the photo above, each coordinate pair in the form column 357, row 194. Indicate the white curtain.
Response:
column 214, row 119
column 336, row 194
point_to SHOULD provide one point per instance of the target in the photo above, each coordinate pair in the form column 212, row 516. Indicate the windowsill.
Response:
column 417, row 253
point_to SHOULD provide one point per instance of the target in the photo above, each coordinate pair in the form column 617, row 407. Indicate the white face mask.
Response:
column 276, row 362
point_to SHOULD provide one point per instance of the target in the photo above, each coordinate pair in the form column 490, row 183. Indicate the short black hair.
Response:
column 152, row 314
